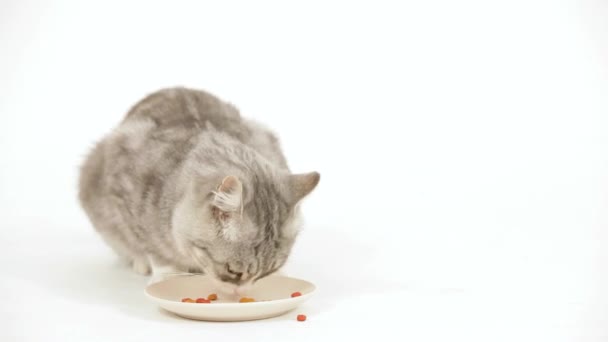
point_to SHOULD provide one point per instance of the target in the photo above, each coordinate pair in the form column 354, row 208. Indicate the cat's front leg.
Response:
column 141, row 266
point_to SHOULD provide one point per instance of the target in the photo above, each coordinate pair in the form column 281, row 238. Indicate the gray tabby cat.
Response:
column 185, row 184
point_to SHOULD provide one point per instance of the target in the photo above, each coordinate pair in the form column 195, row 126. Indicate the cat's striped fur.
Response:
column 184, row 183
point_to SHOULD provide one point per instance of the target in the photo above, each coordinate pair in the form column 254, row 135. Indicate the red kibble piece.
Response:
column 301, row 318
column 296, row 294
column 187, row 300
column 212, row 296
column 203, row 300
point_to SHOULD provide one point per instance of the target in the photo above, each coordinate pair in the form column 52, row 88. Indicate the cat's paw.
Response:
column 281, row 272
column 160, row 273
column 141, row 267
column 158, row 277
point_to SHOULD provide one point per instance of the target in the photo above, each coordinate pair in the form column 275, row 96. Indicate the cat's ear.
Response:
column 228, row 199
column 302, row 184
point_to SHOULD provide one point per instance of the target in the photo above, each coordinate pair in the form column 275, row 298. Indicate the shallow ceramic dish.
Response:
column 272, row 295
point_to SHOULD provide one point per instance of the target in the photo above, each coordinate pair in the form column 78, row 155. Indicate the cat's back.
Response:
column 130, row 181
column 158, row 132
column 181, row 107
column 129, row 167
column 178, row 114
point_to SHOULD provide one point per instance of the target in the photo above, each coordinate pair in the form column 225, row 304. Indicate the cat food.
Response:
column 301, row 318
column 207, row 300
column 213, row 296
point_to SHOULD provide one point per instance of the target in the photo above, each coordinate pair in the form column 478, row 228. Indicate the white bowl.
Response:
column 272, row 298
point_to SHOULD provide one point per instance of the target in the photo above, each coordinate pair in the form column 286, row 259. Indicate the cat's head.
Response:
column 242, row 228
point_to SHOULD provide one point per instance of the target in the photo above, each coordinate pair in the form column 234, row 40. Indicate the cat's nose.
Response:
column 236, row 278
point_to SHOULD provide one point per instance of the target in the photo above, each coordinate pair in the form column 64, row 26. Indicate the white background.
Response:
column 462, row 147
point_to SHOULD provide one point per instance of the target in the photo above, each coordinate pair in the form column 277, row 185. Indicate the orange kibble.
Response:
column 212, row 296
column 301, row 318
column 203, row 300
column 246, row 300
column 188, row 300
column 296, row 294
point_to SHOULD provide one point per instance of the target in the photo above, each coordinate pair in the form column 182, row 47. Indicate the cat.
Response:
column 185, row 184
